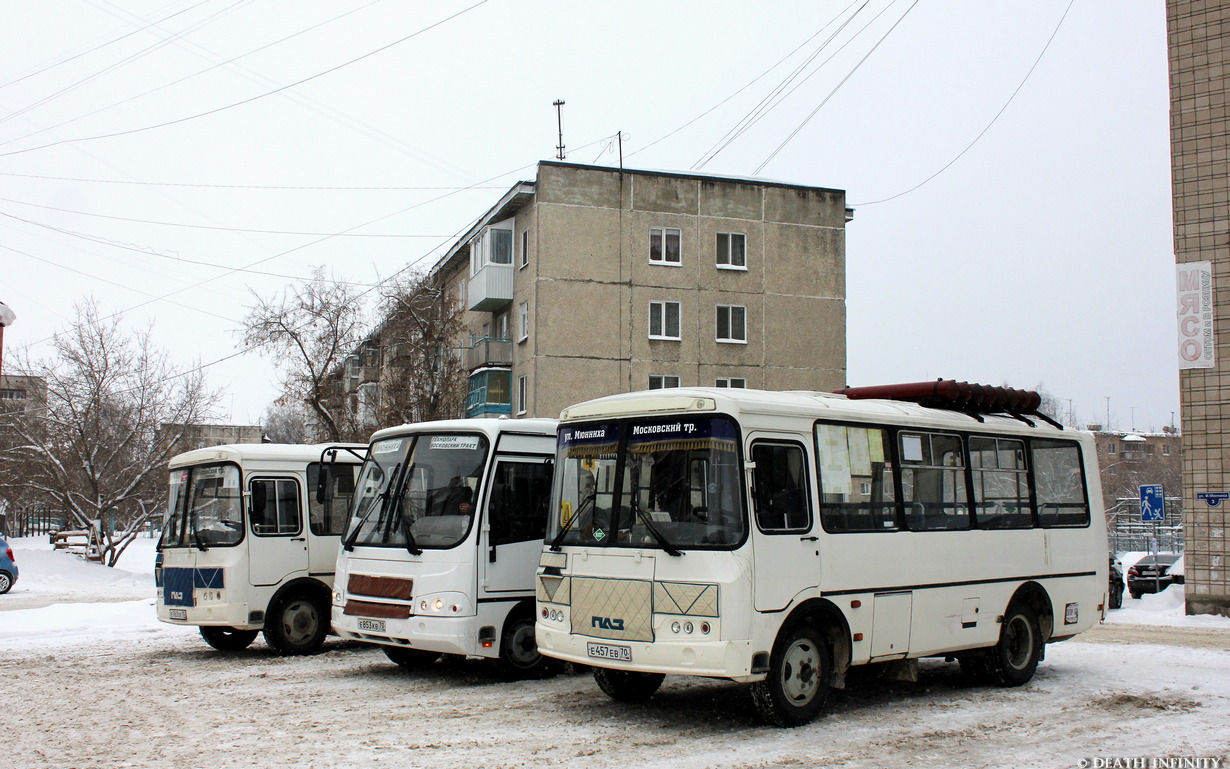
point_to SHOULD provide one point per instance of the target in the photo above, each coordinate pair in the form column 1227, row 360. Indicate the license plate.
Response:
column 374, row 625
column 609, row 652
column 179, row 614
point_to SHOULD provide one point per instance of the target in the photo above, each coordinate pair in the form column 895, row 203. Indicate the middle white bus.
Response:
column 443, row 539
column 781, row 538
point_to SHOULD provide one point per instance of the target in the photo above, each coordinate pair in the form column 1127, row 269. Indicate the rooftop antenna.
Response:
column 559, row 119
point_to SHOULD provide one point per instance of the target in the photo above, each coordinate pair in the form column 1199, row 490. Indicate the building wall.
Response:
column 588, row 283
column 1200, row 155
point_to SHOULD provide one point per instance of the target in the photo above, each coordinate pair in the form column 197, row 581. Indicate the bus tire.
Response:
column 520, row 659
column 227, row 639
column 1013, row 660
column 800, row 674
column 627, row 685
column 410, row 658
column 296, row 624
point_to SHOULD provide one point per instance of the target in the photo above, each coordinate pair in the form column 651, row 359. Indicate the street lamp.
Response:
column 7, row 317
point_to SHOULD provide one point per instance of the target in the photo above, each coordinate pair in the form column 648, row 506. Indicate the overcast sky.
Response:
column 1008, row 162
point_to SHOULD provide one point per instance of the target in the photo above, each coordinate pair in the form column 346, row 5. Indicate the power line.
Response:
column 983, row 132
column 207, row 226
column 250, row 99
column 836, row 88
column 310, row 188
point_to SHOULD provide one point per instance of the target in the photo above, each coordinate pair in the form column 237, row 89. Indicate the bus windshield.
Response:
column 428, row 505
column 204, row 508
column 659, row 484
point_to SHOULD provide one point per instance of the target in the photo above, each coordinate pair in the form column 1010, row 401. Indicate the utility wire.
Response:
column 775, row 97
column 250, row 99
column 836, row 88
column 186, row 77
column 310, row 188
column 100, row 46
column 983, row 132
column 206, row 226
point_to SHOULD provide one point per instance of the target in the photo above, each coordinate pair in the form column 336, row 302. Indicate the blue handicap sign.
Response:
column 1152, row 503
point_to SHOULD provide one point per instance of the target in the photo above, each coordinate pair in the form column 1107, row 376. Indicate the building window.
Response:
column 525, row 247
column 732, row 250
column 1165, row 449
column 1111, row 448
column 664, row 320
column 501, row 325
column 731, row 382
column 501, row 246
column 731, row 323
column 664, row 245
column 660, row 381
column 523, row 394
column 523, row 321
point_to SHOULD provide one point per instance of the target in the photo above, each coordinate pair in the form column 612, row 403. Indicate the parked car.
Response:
column 8, row 567
column 1116, row 584
column 1155, row 573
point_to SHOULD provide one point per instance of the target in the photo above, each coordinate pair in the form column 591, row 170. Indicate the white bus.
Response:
column 444, row 536
column 250, row 541
column 781, row 538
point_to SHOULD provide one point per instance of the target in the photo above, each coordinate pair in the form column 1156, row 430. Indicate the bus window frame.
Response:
column 187, row 540
column 808, row 504
column 299, row 508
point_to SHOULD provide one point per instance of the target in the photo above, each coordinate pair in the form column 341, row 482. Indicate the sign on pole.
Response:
column 1152, row 503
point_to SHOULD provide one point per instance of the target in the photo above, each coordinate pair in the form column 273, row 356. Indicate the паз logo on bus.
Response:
column 607, row 623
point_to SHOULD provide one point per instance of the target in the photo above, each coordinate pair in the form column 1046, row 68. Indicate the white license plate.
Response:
column 374, row 625
column 179, row 614
column 609, row 652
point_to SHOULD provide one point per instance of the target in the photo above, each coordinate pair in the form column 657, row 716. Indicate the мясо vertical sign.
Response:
column 1195, row 284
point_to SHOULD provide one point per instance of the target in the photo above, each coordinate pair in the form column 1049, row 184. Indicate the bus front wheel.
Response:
column 800, row 671
column 296, row 624
column 227, row 639
column 627, row 685
column 519, row 656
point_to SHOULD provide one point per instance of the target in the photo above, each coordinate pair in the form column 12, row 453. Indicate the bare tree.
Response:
column 423, row 376
column 285, row 422
column 309, row 330
column 96, row 441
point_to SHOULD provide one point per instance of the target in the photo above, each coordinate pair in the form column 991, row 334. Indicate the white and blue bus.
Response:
column 250, row 541
column 780, row 538
column 443, row 540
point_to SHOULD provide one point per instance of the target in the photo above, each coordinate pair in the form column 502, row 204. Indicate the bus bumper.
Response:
column 693, row 657
column 447, row 635
column 234, row 615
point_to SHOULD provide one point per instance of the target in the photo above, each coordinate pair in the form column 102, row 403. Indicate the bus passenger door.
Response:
column 515, row 523
column 786, row 552
column 277, row 542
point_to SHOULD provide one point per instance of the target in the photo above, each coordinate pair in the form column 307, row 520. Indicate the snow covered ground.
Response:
column 92, row 679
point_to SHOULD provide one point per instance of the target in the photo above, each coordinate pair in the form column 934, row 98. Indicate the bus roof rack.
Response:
column 974, row 400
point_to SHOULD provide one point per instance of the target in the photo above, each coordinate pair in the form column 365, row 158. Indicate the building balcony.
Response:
column 491, row 288
column 489, row 351
column 489, row 393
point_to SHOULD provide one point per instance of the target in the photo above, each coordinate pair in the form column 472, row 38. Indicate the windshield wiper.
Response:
column 411, row 546
column 348, row 542
column 559, row 538
column 196, row 534
column 663, row 541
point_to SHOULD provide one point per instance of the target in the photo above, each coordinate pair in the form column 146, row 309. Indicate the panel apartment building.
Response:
column 1199, row 43
column 591, row 280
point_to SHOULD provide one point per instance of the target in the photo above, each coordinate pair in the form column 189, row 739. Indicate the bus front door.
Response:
column 786, row 552
column 515, row 523
column 277, row 541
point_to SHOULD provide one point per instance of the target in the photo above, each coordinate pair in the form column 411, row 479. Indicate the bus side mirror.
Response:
column 258, row 499
column 322, row 485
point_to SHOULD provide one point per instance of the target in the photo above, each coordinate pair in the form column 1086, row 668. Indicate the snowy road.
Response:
column 163, row 699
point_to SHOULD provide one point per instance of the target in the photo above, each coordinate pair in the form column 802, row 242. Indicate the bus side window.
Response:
column 857, row 489
column 341, row 479
column 933, row 482
column 1001, row 489
column 779, row 492
column 517, row 506
column 1059, row 483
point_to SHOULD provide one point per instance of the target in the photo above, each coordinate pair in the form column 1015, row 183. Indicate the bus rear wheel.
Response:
column 627, row 685
column 296, row 624
column 1013, row 660
column 227, row 639
column 800, row 671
